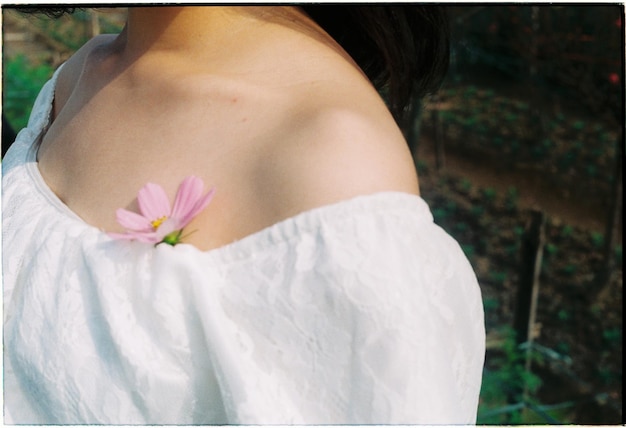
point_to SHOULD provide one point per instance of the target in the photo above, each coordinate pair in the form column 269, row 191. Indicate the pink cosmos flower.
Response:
column 157, row 221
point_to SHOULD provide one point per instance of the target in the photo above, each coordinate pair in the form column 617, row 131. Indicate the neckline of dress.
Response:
column 273, row 232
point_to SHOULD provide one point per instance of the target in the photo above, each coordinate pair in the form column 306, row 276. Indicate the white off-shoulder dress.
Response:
column 359, row 312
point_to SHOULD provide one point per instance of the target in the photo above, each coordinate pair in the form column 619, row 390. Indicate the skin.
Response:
column 259, row 102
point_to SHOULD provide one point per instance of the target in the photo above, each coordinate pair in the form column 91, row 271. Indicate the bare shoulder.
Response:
column 341, row 142
column 337, row 139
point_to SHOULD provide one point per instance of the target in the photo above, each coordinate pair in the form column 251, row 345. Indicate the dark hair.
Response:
column 403, row 49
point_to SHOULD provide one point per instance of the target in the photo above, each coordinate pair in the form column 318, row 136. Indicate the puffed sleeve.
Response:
column 372, row 316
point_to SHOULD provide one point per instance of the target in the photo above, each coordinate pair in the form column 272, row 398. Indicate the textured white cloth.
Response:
column 359, row 312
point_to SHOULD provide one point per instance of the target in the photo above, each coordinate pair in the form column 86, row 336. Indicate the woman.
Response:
column 309, row 285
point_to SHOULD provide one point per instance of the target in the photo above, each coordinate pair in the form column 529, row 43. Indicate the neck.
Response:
column 172, row 28
column 192, row 28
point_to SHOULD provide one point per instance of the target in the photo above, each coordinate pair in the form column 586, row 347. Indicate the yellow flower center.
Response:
column 158, row 222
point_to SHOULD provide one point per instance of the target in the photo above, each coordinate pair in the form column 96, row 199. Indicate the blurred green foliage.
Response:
column 22, row 83
column 504, row 382
column 24, row 75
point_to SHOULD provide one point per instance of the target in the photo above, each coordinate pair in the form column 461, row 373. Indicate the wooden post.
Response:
column 528, row 288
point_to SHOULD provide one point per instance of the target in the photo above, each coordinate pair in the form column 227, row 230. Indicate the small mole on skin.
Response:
column 234, row 100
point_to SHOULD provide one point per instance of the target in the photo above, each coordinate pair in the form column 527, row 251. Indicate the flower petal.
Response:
column 197, row 208
column 132, row 221
column 154, row 205
column 148, row 237
column 115, row 235
column 168, row 226
column 189, row 191
column 153, row 202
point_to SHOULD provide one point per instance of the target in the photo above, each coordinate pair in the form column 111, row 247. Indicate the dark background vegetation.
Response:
column 529, row 120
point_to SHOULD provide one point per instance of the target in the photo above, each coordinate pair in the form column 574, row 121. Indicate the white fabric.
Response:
column 359, row 312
